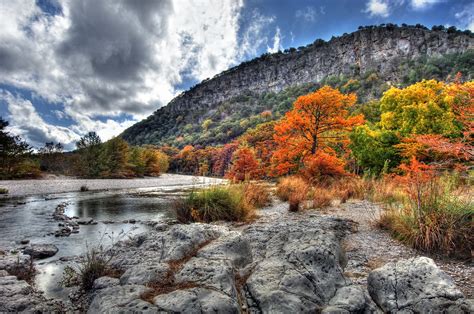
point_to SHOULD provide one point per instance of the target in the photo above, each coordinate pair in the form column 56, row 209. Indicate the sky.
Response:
column 68, row 67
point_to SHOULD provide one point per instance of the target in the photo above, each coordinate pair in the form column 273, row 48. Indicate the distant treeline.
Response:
column 92, row 158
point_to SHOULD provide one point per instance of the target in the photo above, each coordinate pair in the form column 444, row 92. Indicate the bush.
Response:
column 294, row 190
column 435, row 216
column 3, row 191
column 213, row 204
column 322, row 168
column 84, row 188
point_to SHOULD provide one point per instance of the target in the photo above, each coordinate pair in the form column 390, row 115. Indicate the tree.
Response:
column 115, row 156
column 51, row 157
column 156, row 162
column 14, row 154
column 316, row 122
column 244, row 165
column 421, row 108
column 374, row 149
column 89, row 148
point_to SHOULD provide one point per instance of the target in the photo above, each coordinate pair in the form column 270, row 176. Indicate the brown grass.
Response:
column 294, row 190
column 322, row 197
column 24, row 273
column 257, row 195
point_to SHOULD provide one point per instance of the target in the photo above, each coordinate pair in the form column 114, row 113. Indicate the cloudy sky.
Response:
column 72, row 66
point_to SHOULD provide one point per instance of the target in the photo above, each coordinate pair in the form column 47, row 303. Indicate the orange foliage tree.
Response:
column 244, row 165
column 316, row 123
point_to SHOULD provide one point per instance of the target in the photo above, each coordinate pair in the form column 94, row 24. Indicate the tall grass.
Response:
column 434, row 215
column 3, row 191
column 294, row 190
column 235, row 202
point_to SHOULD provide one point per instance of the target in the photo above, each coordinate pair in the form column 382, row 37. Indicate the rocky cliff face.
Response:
column 379, row 49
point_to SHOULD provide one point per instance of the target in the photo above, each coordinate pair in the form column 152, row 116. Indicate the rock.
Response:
column 41, row 250
column 415, row 285
column 105, row 282
column 24, row 241
column 299, row 264
column 14, row 262
column 85, row 221
column 119, row 298
column 143, row 274
column 196, row 300
column 19, row 296
column 171, row 245
column 231, row 246
column 351, row 299
column 207, row 272
column 4, row 273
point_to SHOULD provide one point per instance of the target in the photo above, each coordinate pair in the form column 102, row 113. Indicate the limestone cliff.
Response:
column 378, row 49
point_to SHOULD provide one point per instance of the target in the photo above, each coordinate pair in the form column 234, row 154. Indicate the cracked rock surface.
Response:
column 281, row 263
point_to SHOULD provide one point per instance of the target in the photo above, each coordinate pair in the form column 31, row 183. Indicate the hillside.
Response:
column 367, row 62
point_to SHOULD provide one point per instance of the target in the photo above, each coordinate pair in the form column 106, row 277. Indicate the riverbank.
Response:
column 19, row 188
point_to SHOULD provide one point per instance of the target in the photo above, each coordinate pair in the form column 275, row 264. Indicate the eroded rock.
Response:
column 143, row 274
column 119, row 298
column 415, row 285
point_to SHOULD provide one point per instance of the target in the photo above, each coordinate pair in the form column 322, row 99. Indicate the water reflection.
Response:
column 31, row 218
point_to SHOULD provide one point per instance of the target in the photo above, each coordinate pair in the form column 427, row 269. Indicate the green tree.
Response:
column 89, row 148
column 374, row 149
column 14, row 155
column 115, row 156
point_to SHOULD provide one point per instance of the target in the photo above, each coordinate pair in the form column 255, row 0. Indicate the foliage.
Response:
column 317, row 122
column 3, row 191
column 213, row 204
column 374, row 149
column 244, row 165
column 15, row 156
column 89, row 152
column 322, row 167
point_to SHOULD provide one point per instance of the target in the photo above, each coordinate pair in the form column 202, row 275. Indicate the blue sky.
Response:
column 69, row 67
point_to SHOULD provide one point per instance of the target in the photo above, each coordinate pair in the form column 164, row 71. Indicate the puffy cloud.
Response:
column 377, row 8
column 115, row 57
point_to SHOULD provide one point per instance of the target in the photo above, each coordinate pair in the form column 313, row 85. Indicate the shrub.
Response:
column 322, row 168
column 436, row 215
column 3, row 191
column 213, row 204
column 84, row 188
column 294, row 190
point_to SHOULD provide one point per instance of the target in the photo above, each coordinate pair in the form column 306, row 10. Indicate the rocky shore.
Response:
column 281, row 263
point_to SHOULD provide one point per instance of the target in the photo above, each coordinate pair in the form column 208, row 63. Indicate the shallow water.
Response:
column 30, row 217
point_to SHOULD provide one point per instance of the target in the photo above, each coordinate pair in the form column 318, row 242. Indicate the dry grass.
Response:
column 257, row 195
column 294, row 190
column 322, row 197
column 439, row 221
column 24, row 273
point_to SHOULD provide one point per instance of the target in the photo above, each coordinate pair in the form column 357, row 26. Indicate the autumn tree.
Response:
column 115, row 158
column 244, row 165
column 316, row 122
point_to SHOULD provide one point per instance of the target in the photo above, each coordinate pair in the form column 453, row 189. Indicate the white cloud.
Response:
column 106, row 58
column 377, row 8
column 423, row 4
column 276, row 42
column 466, row 17
column 308, row 14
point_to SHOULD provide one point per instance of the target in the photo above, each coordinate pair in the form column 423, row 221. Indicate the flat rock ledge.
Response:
column 291, row 265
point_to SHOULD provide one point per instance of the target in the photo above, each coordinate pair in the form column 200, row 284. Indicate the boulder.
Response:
column 351, row 299
column 231, row 246
column 415, row 285
column 40, row 251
